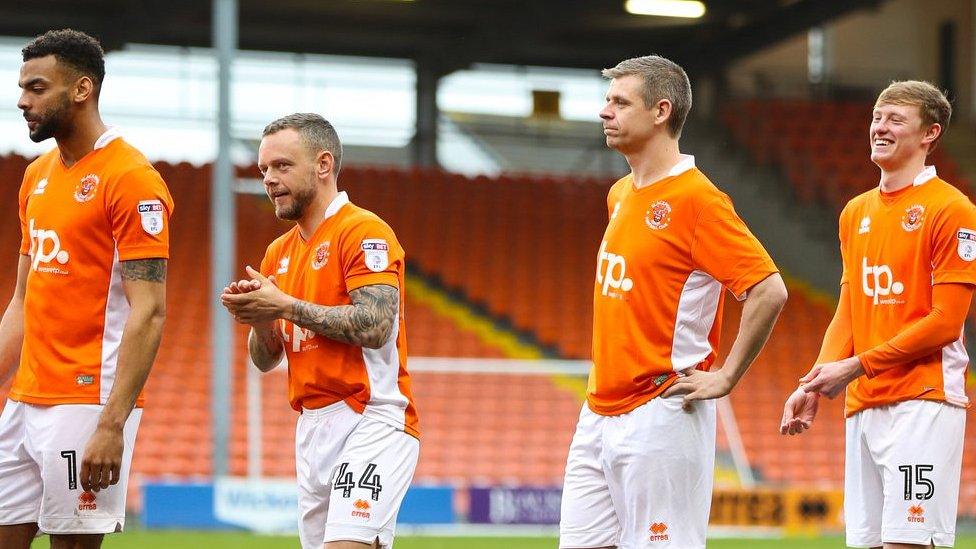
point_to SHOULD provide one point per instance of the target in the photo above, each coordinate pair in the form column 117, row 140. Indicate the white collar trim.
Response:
column 686, row 163
column 927, row 174
column 338, row 202
column 111, row 134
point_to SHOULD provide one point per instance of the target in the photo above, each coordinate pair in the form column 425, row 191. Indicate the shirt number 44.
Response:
column 343, row 480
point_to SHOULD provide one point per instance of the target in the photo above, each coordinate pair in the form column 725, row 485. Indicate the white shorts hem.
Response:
column 920, row 537
column 870, row 539
column 361, row 534
column 581, row 539
column 19, row 515
column 81, row 525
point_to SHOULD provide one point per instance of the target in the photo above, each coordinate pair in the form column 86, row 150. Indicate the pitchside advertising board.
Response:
column 264, row 505
column 269, row 505
column 790, row 510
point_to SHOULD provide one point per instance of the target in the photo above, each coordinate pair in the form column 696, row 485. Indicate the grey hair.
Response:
column 663, row 79
column 316, row 132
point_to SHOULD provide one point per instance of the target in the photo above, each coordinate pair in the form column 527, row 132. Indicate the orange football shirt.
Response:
column 895, row 248
column 77, row 224
column 350, row 249
column 667, row 253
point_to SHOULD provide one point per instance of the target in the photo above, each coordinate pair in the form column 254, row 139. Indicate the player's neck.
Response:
column 901, row 177
column 654, row 161
column 315, row 214
column 80, row 138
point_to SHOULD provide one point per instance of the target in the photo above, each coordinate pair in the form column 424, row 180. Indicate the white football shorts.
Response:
column 641, row 479
column 901, row 483
column 41, row 449
column 353, row 472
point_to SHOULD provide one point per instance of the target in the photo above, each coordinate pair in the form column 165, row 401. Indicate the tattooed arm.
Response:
column 265, row 347
column 368, row 322
column 144, row 285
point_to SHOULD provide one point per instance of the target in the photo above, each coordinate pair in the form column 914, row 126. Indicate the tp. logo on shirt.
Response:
column 45, row 248
column 878, row 281
column 611, row 273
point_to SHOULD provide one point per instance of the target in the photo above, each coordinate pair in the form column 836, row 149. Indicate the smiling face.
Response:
column 45, row 98
column 289, row 173
column 628, row 122
column 898, row 134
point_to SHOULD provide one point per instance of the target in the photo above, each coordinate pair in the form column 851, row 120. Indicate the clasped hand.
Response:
column 256, row 300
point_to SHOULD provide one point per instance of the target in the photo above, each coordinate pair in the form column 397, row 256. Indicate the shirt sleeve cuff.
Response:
column 358, row 281
column 949, row 277
column 741, row 286
column 871, row 367
column 143, row 252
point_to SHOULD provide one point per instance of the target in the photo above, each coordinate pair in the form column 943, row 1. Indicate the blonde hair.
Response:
column 932, row 104
column 663, row 79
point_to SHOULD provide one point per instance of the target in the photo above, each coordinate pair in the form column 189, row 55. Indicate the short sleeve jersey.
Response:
column 77, row 225
column 895, row 248
column 351, row 248
column 668, row 251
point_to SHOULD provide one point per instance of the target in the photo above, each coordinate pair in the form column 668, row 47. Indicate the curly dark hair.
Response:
column 80, row 52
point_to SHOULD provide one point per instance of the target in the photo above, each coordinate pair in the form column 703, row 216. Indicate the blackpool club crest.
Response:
column 658, row 215
column 85, row 189
column 913, row 218
column 321, row 256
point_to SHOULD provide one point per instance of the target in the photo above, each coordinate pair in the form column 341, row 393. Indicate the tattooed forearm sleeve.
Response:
column 150, row 270
column 368, row 322
column 265, row 348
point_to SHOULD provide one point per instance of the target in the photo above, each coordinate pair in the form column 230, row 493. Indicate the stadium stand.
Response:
column 534, row 242
column 821, row 146
column 523, row 249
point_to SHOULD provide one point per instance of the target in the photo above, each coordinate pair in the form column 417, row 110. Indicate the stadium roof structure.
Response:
column 447, row 34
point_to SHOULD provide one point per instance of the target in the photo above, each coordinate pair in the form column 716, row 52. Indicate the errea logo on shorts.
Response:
column 361, row 509
column 658, row 532
column 86, row 501
column 45, row 248
column 611, row 273
column 916, row 513
column 878, row 281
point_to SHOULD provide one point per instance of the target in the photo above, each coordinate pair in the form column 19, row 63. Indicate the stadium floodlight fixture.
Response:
column 666, row 8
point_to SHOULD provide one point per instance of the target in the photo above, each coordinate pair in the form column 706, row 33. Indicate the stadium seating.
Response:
column 821, row 146
column 521, row 251
column 817, row 457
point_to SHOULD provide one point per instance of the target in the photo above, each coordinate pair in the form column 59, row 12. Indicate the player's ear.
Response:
column 664, row 109
column 83, row 88
column 933, row 133
column 324, row 164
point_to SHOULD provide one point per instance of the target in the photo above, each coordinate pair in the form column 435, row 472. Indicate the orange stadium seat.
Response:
column 822, row 147
column 522, row 249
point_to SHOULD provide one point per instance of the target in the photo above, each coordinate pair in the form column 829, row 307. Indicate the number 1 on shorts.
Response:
column 71, row 456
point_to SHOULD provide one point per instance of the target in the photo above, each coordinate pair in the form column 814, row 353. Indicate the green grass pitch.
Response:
column 188, row 540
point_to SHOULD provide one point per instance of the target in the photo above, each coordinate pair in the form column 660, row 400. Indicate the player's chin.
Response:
column 38, row 135
column 286, row 212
